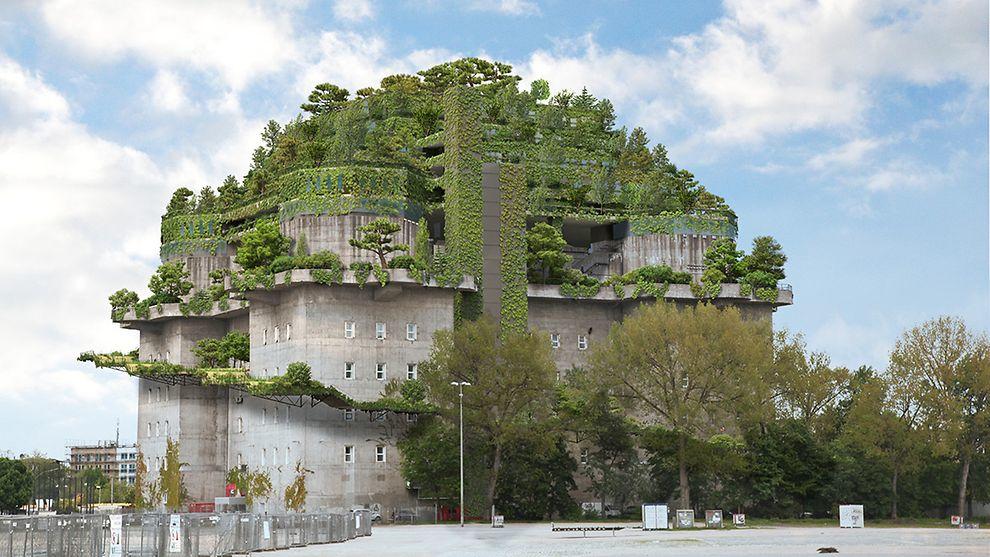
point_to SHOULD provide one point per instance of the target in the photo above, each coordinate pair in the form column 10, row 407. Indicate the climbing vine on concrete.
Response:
column 512, row 242
column 463, row 202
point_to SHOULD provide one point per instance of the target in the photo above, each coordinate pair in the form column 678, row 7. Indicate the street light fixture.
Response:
column 460, row 392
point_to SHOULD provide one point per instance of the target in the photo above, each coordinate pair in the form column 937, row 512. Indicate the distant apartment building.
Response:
column 114, row 460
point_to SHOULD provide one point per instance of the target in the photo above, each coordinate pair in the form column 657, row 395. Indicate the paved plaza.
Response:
column 538, row 540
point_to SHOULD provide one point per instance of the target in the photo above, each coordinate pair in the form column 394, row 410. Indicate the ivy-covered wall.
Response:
column 512, row 242
column 461, row 181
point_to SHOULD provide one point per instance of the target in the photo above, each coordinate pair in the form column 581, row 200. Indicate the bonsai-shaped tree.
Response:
column 121, row 301
column 376, row 237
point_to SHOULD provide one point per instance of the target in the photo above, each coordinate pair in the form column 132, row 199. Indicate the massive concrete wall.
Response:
column 316, row 315
column 333, row 233
column 682, row 252
column 571, row 319
column 275, row 438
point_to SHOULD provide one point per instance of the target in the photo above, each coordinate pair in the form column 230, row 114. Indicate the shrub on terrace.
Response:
column 169, row 283
column 261, row 245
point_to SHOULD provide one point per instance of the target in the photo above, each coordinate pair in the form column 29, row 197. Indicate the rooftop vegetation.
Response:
column 384, row 142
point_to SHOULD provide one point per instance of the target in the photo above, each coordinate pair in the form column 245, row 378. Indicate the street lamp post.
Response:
column 460, row 392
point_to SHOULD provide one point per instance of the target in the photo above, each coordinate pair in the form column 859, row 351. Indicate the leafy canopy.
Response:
column 169, row 283
column 261, row 245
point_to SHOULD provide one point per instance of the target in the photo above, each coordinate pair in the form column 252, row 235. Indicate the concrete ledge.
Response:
column 730, row 291
column 397, row 277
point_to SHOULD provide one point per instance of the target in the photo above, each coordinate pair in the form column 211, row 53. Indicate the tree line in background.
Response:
column 700, row 407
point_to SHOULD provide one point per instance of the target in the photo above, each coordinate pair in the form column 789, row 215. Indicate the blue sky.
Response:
column 853, row 132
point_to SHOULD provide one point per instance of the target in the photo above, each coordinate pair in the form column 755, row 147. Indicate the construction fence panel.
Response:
column 173, row 535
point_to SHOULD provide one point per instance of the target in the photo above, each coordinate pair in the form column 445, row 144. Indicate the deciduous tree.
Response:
column 688, row 370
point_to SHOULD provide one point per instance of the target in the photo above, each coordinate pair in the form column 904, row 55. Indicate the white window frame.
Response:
column 380, row 454
column 412, row 371
column 348, row 414
column 582, row 342
column 349, row 373
column 275, row 416
column 412, row 332
column 348, row 454
column 288, row 455
column 381, row 371
column 158, row 394
column 158, row 429
column 350, row 328
column 554, row 340
column 288, row 331
column 381, row 331
column 149, row 429
column 240, row 424
column 277, row 335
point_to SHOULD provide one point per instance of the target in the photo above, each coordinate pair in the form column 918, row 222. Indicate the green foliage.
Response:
column 362, row 270
column 512, row 244
column 15, row 485
column 213, row 352
column 376, row 237
column 169, row 283
column 511, row 376
column 462, row 176
column 685, row 368
column 537, row 477
column 251, row 484
column 325, row 98
column 183, row 201
column 261, row 245
column 540, row 89
column 580, row 286
column 170, row 484
column 765, row 258
column 722, row 256
column 402, row 262
column 545, row 257
column 319, row 260
column 120, row 302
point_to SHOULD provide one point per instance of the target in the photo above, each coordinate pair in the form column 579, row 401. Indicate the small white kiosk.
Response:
column 850, row 516
column 654, row 516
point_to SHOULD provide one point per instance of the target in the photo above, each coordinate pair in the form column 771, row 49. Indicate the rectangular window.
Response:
column 149, row 396
column 582, row 342
column 288, row 455
column 264, row 337
column 275, row 416
column 149, row 430
column 410, row 418
column 380, row 416
column 554, row 340
column 264, row 457
column 412, row 371
column 288, row 331
column 380, row 453
column 584, row 456
column 264, row 416
column 240, row 425
column 349, row 415
column 349, row 329
column 276, row 335
column 348, row 453
column 411, row 332
column 380, row 331
column 380, row 371
column 348, row 370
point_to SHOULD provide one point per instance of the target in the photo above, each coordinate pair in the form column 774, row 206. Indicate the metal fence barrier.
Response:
column 173, row 535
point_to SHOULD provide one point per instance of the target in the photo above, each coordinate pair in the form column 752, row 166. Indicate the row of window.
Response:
column 348, row 417
column 350, row 331
column 381, row 371
column 158, row 429
column 349, row 456
column 582, row 341
column 158, row 394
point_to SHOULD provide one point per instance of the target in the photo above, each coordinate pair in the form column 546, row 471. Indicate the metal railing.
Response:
column 173, row 535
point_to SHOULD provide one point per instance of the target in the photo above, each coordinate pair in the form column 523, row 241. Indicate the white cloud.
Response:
column 167, row 92
column 81, row 220
column 904, row 173
column 353, row 10
column 851, row 153
column 355, row 60
column 774, row 68
column 852, row 345
column 239, row 40
column 507, row 7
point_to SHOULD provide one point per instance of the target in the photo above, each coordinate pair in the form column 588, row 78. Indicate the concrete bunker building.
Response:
column 464, row 193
